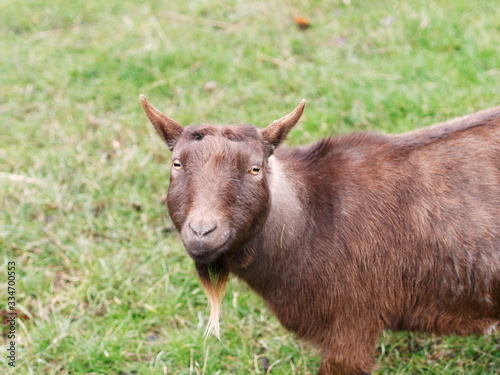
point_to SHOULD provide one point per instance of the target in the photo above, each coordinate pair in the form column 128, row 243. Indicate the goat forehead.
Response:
column 217, row 148
column 212, row 150
column 233, row 132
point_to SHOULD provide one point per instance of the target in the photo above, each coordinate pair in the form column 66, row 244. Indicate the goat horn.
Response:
column 168, row 129
column 292, row 118
column 277, row 131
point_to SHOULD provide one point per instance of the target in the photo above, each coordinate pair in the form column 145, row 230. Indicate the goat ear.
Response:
column 276, row 132
column 168, row 129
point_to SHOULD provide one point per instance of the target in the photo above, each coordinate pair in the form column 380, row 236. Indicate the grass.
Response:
column 103, row 283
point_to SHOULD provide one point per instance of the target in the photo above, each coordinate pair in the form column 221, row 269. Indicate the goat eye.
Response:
column 177, row 164
column 254, row 170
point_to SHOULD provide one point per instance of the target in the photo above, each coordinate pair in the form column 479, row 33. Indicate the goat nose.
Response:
column 202, row 229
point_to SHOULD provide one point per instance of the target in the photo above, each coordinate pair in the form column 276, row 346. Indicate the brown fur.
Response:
column 350, row 235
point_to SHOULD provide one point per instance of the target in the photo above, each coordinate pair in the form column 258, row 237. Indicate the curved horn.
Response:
column 277, row 131
column 168, row 129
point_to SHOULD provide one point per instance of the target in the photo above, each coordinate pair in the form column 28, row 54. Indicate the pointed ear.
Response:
column 168, row 129
column 276, row 132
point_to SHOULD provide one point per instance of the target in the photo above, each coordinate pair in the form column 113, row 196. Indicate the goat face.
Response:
column 218, row 195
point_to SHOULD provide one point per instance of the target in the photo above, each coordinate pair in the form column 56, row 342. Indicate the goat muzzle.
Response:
column 205, row 238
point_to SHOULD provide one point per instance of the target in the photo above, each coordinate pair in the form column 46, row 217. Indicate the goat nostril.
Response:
column 210, row 230
column 202, row 230
column 191, row 227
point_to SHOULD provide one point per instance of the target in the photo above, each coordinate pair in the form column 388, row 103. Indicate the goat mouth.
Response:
column 205, row 256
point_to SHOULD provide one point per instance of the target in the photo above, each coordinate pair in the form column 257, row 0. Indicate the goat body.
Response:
column 349, row 236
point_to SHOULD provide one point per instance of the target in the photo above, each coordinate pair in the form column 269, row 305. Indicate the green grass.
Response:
column 103, row 281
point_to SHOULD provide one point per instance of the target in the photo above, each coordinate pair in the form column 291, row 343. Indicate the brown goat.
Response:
column 349, row 236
